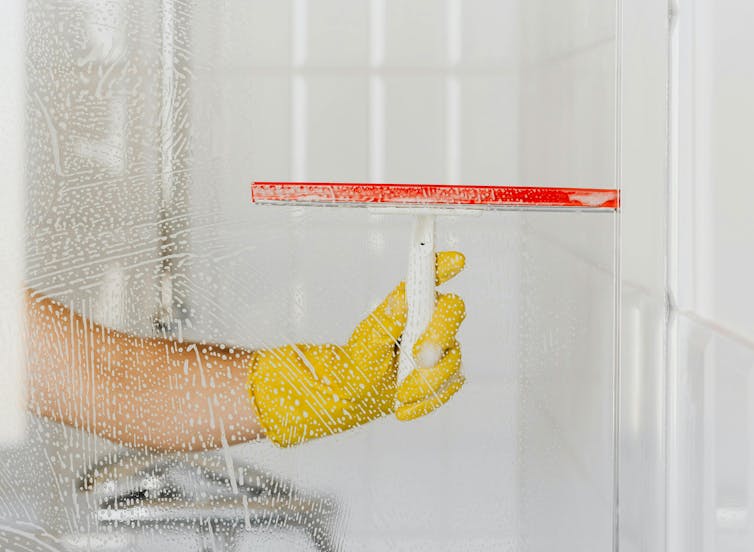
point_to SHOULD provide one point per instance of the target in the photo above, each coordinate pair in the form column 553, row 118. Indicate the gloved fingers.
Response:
column 440, row 334
column 418, row 409
column 447, row 265
column 385, row 324
column 421, row 383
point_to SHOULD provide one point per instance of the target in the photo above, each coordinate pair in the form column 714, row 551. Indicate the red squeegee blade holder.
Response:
column 432, row 195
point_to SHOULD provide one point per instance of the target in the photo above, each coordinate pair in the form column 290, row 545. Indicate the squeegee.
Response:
column 425, row 202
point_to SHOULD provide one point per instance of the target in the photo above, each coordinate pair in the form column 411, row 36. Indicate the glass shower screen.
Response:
column 145, row 123
column 523, row 457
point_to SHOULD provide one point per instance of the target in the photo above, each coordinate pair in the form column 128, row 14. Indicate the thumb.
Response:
column 385, row 324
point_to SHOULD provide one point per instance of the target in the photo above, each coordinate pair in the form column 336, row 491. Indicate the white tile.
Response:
column 415, row 129
column 256, row 33
column 254, row 138
column 642, row 421
column 567, row 122
column 241, row 133
column 338, row 33
column 415, row 33
column 644, row 136
column 489, row 130
column 337, row 138
column 711, row 495
column 552, row 30
column 14, row 246
column 490, row 32
column 715, row 223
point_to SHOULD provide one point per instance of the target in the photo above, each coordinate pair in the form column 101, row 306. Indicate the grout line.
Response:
column 454, row 30
column 376, row 129
column 299, row 132
column 299, row 35
column 377, row 10
column 452, row 130
column 377, row 108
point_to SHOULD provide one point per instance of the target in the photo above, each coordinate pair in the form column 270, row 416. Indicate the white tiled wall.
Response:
column 385, row 90
column 567, row 110
column 482, row 135
column 417, row 151
column 416, row 33
column 711, row 270
column 712, row 494
column 715, row 229
column 336, row 113
column 334, row 33
column 11, row 226
column 254, row 33
column 490, row 33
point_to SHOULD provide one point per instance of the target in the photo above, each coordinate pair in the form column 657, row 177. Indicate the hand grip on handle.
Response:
column 420, row 290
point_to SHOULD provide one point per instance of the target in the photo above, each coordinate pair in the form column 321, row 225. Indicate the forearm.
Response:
column 137, row 391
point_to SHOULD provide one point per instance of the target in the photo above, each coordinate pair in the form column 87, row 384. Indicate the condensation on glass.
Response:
column 146, row 122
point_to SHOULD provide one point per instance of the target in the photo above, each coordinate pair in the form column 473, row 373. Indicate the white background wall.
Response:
column 711, row 467
column 643, row 169
column 11, row 223
column 715, row 229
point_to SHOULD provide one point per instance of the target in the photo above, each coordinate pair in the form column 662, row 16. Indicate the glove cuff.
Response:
column 253, row 386
column 266, row 387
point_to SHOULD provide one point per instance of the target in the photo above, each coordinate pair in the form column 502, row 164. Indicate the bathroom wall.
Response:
column 579, row 150
column 711, row 270
column 643, row 173
column 11, row 225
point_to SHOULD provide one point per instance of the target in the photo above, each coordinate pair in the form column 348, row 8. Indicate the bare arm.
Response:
column 136, row 391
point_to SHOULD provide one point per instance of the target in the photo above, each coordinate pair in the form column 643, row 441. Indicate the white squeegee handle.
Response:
column 420, row 289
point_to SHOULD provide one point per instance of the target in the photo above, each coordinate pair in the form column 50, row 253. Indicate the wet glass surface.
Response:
column 150, row 277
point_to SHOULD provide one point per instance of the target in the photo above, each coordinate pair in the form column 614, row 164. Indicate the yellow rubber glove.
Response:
column 302, row 392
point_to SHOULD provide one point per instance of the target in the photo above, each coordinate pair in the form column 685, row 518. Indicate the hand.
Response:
column 302, row 392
